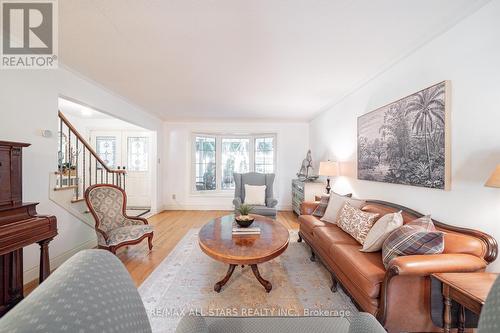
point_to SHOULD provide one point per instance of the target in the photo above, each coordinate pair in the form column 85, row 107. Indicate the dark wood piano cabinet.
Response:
column 20, row 226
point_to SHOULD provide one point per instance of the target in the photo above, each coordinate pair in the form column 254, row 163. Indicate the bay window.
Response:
column 205, row 164
column 235, row 158
column 264, row 155
column 217, row 157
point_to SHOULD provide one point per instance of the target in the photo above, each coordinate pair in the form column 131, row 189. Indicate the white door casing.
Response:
column 132, row 151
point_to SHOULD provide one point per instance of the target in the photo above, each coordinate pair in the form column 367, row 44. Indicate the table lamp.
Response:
column 494, row 180
column 328, row 169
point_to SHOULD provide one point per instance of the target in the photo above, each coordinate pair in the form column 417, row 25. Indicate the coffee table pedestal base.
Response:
column 263, row 282
column 266, row 284
column 218, row 286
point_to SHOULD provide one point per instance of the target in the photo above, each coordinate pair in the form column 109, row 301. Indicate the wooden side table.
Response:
column 469, row 290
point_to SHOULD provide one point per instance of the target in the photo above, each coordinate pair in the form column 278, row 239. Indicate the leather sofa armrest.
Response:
column 424, row 265
column 308, row 207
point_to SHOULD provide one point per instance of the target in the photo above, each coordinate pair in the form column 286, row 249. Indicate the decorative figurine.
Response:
column 306, row 172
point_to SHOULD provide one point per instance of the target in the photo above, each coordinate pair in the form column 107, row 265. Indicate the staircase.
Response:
column 79, row 167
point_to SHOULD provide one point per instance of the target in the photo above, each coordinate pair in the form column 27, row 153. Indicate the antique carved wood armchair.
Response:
column 113, row 226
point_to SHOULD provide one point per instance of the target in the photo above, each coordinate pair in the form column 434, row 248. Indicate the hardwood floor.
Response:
column 170, row 228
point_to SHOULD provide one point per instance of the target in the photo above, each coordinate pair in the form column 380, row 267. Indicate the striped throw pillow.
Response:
column 417, row 237
column 323, row 204
column 321, row 208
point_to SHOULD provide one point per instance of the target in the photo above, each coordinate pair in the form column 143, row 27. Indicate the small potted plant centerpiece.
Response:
column 244, row 220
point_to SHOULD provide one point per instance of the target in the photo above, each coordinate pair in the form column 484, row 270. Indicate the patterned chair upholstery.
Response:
column 489, row 321
column 114, row 228
column 91, row 292
column 360, row 323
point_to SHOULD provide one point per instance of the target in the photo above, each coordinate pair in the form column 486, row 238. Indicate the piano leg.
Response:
column 44, row 260
column 11, row 280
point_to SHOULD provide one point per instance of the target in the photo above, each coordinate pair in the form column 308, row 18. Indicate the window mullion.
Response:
column 218, row 162
column 251, row 152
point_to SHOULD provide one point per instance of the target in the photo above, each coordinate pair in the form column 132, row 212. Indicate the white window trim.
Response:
column 219, row 192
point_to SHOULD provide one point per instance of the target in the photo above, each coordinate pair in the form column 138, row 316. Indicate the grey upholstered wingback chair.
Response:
column 254, row 178
column 489, row 321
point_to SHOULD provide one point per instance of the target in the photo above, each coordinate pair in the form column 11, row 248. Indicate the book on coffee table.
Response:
column 245, row 231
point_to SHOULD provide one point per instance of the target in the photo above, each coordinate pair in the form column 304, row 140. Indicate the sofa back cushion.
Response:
column 356, row 222
column 383, row 210
column 417, row 237
column 454, row 242
column 465, row 244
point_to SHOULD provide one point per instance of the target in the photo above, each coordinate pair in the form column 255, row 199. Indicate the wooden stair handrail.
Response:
column 87, row 145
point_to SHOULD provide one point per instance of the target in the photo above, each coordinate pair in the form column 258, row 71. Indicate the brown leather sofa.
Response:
column 400, row 296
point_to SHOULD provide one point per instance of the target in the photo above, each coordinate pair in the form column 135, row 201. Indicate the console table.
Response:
column 20, row 226
column 304, row 191
column 469, row 290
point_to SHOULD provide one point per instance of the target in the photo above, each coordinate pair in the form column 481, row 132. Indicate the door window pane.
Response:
column 106, row 150
column 138, row 154
column 235, row 158
column 264, row 155
column 205, row 166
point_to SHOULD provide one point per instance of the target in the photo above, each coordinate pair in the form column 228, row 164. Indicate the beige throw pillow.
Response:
column 381, row 230
column 255, row 195
column 335, row 205
column 356, row 222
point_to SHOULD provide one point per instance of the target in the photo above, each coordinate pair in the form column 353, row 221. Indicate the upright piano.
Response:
column 20, row 226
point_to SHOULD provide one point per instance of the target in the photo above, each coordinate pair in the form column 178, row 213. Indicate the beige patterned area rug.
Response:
column 183, row 283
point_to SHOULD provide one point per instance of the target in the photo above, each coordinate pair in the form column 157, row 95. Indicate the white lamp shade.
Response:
column 328, row 168
column 494, row 180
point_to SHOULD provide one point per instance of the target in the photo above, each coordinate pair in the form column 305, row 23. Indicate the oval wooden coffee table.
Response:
column 216, row 239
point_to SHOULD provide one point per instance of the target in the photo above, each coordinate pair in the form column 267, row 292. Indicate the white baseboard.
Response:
column 32, row 273
column 213, row 207
column 197, row 207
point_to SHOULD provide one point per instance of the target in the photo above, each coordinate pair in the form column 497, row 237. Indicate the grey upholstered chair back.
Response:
column 91, row 292
column 253, row 178
column 489, row 321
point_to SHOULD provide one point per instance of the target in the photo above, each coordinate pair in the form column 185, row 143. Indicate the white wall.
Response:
column 468, row 55
column 85, row 125
column 28, row 104
column 292, row 143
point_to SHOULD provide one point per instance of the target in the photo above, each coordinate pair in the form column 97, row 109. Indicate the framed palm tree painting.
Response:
column 408, row 141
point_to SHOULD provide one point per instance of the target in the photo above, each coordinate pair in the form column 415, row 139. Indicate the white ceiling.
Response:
column 247, row 59
column 75, row 110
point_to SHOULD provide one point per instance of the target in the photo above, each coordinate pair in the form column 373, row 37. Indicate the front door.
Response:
column 129, row 150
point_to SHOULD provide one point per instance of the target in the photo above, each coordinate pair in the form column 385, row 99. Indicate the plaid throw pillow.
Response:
column 417, row 237
column 323, row 203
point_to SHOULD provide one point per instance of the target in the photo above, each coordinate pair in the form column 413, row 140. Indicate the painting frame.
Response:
column 417, row 130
